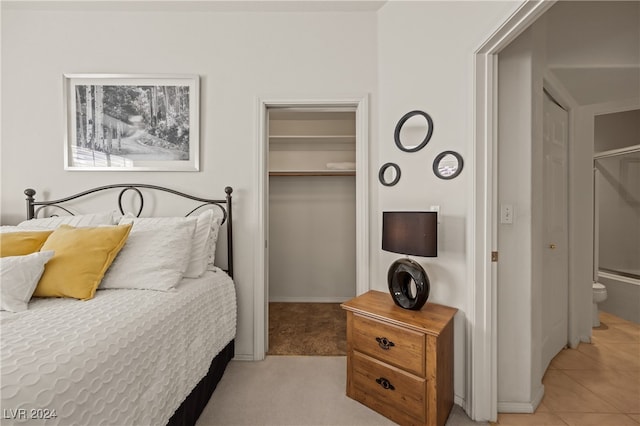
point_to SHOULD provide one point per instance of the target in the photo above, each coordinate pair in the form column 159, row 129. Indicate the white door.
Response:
column 555, row 271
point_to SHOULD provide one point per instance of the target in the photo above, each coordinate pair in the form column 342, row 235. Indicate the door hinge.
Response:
column 494, row 256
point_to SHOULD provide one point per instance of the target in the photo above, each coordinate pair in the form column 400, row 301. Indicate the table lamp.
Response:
column 410, row 233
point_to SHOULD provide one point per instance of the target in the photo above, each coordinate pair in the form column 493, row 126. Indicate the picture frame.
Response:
column 132, row 122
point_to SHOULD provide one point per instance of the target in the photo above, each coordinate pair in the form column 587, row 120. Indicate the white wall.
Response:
column 515, row 269
column 426, row 63
column 407, row 55
column 524, row 64
column 238, row 56
column 312, row 238
column 521, row 302
column 617, row 130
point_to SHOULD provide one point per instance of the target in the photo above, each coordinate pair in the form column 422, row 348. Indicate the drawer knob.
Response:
column 385, row 383
column 384, row 343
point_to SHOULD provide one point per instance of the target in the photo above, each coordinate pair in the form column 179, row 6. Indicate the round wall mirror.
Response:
column 447, row 165
column 413, row 131
column 389, row 174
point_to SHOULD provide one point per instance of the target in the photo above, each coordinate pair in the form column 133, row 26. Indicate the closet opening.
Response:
column 307, row 144
column 311, row 227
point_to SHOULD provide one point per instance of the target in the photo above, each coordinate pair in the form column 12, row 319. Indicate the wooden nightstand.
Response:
column 400, row 362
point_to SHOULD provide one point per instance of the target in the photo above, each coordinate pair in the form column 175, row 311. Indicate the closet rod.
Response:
column 313, row 109
column 616, row 152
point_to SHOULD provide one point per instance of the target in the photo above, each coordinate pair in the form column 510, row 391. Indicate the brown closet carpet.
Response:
column 307, row 329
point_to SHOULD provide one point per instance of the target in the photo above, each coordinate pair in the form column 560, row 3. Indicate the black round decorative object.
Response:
column 383, row 170
column 396, row 133
column 401, row 273
column 448, row 165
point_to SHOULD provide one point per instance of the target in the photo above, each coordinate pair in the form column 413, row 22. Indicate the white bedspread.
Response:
column 126, row 357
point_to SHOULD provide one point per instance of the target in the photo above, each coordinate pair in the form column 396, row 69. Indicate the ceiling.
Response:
column 201, row 5
column 593, row 48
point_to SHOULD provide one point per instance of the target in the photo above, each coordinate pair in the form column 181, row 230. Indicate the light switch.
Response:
column 506, row 213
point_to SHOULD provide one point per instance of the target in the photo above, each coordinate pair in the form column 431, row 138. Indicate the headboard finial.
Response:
column 30, row 209
column 228, row 190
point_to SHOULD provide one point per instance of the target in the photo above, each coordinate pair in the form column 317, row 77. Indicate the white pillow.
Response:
column 85, row 220
column 198, row 262
column 212, row 242
column 5, row 229
column 201, row 236
column 19, row 276
column 153, row 258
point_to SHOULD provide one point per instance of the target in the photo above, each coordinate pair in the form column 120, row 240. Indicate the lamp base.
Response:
column 401, row 273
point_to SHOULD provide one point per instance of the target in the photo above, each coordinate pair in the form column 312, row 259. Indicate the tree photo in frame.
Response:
column 131, row 122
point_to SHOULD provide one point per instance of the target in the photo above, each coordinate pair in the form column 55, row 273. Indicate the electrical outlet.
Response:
column 437, row 210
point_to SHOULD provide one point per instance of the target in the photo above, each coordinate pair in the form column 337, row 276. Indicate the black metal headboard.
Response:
column 223, row 204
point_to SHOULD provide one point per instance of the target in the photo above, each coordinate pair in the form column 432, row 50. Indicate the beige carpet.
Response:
column 293, row 390
column 307, row 329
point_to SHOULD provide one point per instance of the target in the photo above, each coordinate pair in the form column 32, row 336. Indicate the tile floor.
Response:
column 595, row 384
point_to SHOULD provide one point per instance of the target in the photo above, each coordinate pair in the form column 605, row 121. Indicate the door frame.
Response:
column 481, row 349
column 261, row 278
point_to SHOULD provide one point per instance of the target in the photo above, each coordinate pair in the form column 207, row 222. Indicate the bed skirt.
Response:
column 191, row 408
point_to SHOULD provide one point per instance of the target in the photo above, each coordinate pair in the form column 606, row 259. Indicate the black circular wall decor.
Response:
column 448, row 167
column 401, row 274
column 381, row 174
column 403, row 120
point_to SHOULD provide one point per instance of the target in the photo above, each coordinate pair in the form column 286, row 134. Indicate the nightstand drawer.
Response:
column 394, row 345
column 389, row 389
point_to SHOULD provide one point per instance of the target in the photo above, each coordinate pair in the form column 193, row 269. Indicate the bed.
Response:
column 136, row 350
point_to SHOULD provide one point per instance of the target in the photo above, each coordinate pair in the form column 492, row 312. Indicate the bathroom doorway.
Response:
column 616, row 168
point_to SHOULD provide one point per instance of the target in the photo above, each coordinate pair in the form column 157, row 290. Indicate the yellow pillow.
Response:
column 22, row 243
column 82, row 256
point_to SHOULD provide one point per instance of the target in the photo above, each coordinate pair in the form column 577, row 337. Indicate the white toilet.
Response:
column 599, row 295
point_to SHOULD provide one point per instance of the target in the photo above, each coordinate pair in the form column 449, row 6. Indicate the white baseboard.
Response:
column 242, row 357
column 573, row 343
column 515, row 407
column 522, row 407
column 458, row 400
column 537, row 398
column 309, row 299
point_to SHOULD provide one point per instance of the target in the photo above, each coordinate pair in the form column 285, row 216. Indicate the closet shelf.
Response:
column 312, row 173
column 311, row 138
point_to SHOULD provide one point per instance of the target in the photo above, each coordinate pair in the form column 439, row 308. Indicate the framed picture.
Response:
column 119, row 122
